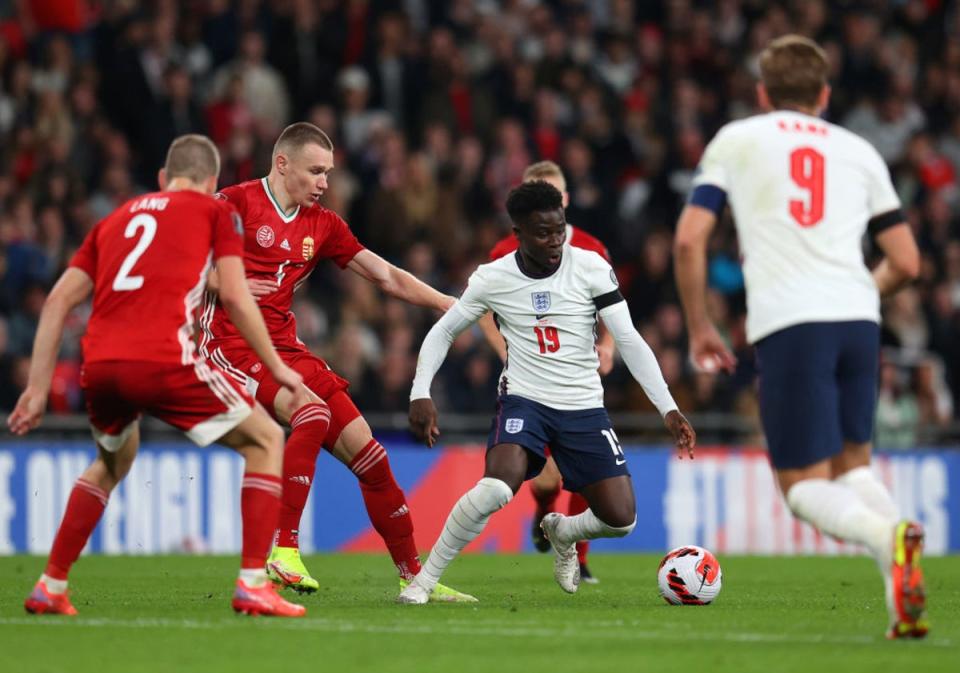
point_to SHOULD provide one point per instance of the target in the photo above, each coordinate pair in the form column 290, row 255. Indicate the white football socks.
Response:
column 253, row 577
column 871, row 491
column 837, row 510
column 466, row 521
column 53, row 586
column 586, row 526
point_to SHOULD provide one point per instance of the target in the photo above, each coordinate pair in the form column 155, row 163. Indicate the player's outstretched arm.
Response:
column 642, row 363
column 244, row 313
column 901, row 259
column 638, row 356
column 398, row 283
column 73, row 288
column 436, row 345
column 707, row 349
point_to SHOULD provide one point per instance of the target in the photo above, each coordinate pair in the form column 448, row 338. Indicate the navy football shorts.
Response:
column 582, row 442
column 818, row 388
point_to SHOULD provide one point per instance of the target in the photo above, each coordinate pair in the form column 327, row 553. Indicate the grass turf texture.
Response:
column 774, row 614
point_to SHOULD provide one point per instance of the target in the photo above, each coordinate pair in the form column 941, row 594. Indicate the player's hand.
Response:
column 605, row 353
column 423, row 421
column 447, row 302
column 683, row 434
column 28, row 412
column 291, row 380
column 709, row 353
column 261, row 287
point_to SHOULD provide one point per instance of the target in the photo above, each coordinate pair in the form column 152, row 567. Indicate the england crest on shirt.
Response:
column 541, row 301
column 513, row 425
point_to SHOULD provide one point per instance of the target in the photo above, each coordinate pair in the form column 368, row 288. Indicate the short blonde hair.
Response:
column 794, row 71
column 544, row 169
column 299, row 134
column 192, row 156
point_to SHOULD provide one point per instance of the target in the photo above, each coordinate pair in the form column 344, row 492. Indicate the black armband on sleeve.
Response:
column 884, row 221
column 608, row 299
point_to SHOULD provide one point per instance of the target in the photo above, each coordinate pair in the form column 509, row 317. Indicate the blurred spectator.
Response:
column 263, row 88
column 898, row 413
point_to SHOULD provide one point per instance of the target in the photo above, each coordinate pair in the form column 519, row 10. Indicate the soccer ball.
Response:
column 689, row 575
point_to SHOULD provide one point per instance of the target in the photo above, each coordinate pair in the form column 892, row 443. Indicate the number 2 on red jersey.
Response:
column 124, row 282
column 806, row 171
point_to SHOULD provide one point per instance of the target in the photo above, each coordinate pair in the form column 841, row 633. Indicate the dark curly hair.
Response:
column 532, row 197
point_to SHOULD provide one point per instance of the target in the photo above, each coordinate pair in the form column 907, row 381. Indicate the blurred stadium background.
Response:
column 436, row 107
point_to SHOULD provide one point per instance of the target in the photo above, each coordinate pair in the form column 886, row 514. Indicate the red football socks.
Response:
column 386, row 506
column 309, row 424
column 84, row 509
column 578, row 504
column 259, row 509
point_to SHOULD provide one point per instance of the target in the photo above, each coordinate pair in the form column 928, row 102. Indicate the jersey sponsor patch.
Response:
column 265, row 236
column 513, row 425
column 541, row 301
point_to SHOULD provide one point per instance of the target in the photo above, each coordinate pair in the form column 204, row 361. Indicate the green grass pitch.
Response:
column 774, row 615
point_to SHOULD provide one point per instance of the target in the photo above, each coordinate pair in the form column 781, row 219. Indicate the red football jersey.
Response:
column 578, row 238
column 280, row 247
column 149, row 261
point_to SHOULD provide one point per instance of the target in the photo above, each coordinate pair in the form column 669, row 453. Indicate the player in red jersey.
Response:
column 146, row 265
column 286, row 234
column 547, row 485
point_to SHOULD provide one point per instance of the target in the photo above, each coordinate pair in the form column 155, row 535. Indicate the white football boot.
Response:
column 566, row 566
column 413, row 594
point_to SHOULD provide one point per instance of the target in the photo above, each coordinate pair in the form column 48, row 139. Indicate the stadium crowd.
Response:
column 436, row 108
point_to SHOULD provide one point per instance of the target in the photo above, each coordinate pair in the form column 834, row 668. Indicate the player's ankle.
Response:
column 53, row 584
column 253, row 577
column 288, row 537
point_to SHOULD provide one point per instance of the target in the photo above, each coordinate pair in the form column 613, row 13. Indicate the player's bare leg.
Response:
column 506, row 467
column 88, row 499
column 612, row 513
column 840, row 508
column 545, row 488
column 309, row 418
column 260, row 441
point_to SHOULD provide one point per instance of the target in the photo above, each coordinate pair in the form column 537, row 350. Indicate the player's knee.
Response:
column 620, row 519
column 623, row 531
column 272, row 439
column 493, row 494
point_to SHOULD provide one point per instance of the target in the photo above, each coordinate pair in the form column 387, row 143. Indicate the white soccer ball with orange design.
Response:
column 689, row 575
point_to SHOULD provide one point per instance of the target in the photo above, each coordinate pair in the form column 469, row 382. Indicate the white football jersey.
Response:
column 802, row 191
column 549, row 325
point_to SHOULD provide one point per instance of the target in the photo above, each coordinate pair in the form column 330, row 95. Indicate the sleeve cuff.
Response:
column 710, row 197
column 884, row 221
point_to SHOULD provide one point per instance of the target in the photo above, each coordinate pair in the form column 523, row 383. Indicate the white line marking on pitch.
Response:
column 454, row 628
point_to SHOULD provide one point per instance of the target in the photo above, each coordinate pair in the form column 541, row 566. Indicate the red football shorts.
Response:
column 197, row 399
column 244, row 365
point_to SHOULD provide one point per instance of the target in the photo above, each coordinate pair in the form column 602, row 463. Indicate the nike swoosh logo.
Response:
column 621, row 461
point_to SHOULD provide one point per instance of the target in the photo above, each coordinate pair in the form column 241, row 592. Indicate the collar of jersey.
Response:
column 519, row 259
column 283, row 216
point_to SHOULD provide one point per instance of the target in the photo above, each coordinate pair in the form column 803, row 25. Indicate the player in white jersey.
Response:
column 546, row 299
column 803, row 193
